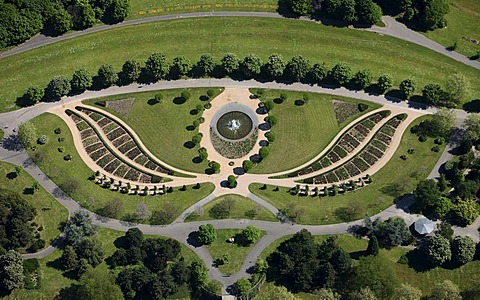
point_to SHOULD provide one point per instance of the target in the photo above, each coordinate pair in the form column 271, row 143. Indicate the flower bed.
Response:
column 380, row 145
column 360, row 164
column 127, row 147
column 87, row 133
column 121, row 170
column 333, row 157
column 94, row 147
column 344, row 110
column 112, row 166
column 121, row 140
column 320, row 180
column 342, row 174
column 368, row 158
column 132, row 175
column 340, row 151
column 351, row 169
column 122, row 106
column 351, row 140
column 142, row 160
column 368, row 123
column 104, row 121
column 378, row 117
column 325, row 162
column 116, row 133
column 331, row 177
column 388, row 130
column 109, row 127
column 145, row 178
column 99, row 153
column 133, row 153
column 102, row 162
column 90, row 141
column 384, row 138
column 82, row 126
column 357, row 136
column 345, row 145
column 374, row 151
column 362, row 129
column 233, row 150
column 96, row 117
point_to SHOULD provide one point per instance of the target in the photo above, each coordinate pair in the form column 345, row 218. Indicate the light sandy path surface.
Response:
column 180, row 230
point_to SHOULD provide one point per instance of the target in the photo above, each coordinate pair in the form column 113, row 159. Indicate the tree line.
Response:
column 298, row 69
column 22, row 19
column 420, row 14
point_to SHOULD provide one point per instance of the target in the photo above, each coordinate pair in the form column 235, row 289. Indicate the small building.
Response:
column 424, row 226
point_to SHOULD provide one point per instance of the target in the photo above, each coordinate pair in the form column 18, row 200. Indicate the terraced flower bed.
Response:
column 366, row 158
column 346, row 144
column 107, row 160
column 124, row 141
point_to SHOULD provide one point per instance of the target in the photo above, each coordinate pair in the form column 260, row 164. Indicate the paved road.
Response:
column 393, row 28
column 180, row 230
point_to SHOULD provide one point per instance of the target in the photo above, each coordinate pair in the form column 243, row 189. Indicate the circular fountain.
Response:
column 234, row 125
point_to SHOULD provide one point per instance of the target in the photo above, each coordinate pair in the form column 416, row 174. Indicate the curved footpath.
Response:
column 179, row 230
column 392, row 28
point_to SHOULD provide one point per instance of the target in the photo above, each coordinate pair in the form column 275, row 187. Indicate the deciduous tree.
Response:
column 207, row 234
column 81, row 80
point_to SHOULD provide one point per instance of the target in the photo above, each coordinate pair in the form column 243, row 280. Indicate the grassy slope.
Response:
column 241, row 207
column 149, row 8
column 53, row 280
column 466, row 276
column 463, row 21
column 50, row 213
column 162, row 127
column 370, row 200
column 193, row 37
column 235, row 252
column 302, row 131
column 57, row 169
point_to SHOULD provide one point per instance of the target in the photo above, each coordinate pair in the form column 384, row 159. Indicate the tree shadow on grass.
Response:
column 417, row 261
column 189, row 145
column 472, row 106
column 152, row 102
column 374, row 89
column 12, row 175
column 179, row 100
column 197, row 160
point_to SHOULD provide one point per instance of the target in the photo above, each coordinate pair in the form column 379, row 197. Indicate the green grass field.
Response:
column 162, row 127
column 53, row 280
column 50, row 214
column 2, row 134
column 302, row 131
column 240, row 210
column 234, row 252
column 466, row 276
column 90, row 195
column 193, row 37
column 371, row 199
column 463, row 21
column 149, row 8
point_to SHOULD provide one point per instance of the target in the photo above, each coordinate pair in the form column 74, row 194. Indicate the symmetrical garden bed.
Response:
column 366, row 158
column 233, row 150
column 345, row 145
column 102, row 155
column 123, row 141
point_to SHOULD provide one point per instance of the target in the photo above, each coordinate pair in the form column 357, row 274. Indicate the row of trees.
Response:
column 348, row 11
column 22, row 19
column 297, row 69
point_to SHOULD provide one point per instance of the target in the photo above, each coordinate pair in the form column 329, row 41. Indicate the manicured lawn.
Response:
column 302, row 131
column 50, row 214
column 234, row 252
column 148, row 8
column 162, row 127
column 240, row 210
column 463, row 21
column 371, row 199
column 53, row 280
column 90, row 195
column 193, row 37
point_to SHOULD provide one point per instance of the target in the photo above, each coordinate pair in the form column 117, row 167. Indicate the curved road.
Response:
column 392, row 28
